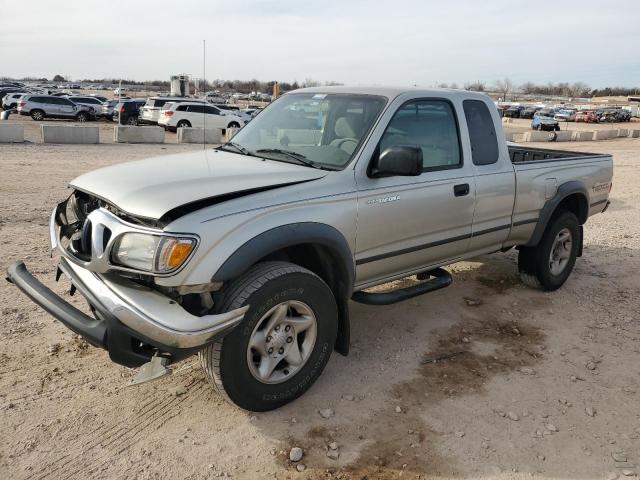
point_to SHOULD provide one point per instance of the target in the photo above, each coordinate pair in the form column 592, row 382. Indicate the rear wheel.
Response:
column 284, row 341
column 132, row 121
column 233, row 125
column 183, row 124
column 549, row 264
column 37, row 115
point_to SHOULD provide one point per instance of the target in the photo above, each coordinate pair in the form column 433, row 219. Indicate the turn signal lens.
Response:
column 173, row 252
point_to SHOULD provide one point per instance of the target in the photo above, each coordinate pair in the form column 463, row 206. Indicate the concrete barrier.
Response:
column 509, row 136
column 582, row 136
column 564, row 136
column 538, row 136
column 604, row 134
column 229, row 133
column 623, row 132
column 634, row 133
column 518, row 137
column 11, row 133
column 132, row 134
column 69, row 134
column 199, row 135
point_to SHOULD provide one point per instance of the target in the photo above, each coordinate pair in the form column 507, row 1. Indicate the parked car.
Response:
column 545, row 112
column 514, row 111
column 624, row 115
column 109, row 105
column 92, row 102
column 4, row 91
column 252, row 111
column 195, row 114
column 127, row 112
column 540, row 122
column 587, row 116
column 49, row 106
column 250, row 254
column 529, row 112
column 10, row 100
column 99, row 97
column 565, row 115
column 234, row 110
column 150, row 112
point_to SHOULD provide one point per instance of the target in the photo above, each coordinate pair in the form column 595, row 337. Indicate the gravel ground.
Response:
column 536, row 385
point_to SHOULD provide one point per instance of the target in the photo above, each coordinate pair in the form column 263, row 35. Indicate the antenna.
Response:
column 204, row 89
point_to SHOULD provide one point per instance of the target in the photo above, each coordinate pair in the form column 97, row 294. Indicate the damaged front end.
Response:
column 112, row 261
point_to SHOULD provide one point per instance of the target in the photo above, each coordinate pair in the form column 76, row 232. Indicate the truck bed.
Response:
column 519, row 154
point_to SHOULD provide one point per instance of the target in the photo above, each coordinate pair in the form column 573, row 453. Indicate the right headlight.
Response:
column 152, row 253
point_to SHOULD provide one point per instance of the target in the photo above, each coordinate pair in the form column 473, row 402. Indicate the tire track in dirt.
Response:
column 151, row 415
column 89, row 470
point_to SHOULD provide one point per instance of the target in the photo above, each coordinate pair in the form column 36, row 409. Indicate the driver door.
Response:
column 407, row 224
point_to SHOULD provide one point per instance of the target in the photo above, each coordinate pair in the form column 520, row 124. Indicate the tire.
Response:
column 132, row 121
column 536, row 264
column 183, row 123
column 37, row 115
column 556, row 128
column 233, row 125
column 82, row 117
column 232, row 366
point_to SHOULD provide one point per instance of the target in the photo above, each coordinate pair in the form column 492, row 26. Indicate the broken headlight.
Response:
column 152, row 253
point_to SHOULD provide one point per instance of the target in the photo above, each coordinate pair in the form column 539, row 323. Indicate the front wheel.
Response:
column 549, row 264
column 284, row 341
column 82, row 117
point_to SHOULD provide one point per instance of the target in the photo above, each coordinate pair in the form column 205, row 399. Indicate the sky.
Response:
column 398, row 42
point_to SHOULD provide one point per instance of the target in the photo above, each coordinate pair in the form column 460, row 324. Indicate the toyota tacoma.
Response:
column 248, row 254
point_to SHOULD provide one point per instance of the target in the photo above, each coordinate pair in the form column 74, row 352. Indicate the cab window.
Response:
column 429, row 125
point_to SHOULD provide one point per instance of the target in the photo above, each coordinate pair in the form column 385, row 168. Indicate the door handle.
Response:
column 461, row 190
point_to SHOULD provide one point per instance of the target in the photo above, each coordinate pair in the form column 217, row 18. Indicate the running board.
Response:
column 440, row 279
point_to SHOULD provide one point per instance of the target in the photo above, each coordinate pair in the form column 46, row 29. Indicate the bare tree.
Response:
column 579, row 89
column 505, row 87
column 476, row 86
column 528, row 87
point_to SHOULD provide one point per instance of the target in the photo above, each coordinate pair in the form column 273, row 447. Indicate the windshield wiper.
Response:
column 237, row 146
column 300, row 158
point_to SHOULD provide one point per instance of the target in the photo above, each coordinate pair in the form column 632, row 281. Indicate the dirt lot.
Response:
column 537, row 385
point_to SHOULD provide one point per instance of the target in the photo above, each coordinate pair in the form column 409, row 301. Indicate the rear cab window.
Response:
column 482, row 132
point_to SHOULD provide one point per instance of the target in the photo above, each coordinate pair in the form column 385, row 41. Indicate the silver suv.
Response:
column 42, row 106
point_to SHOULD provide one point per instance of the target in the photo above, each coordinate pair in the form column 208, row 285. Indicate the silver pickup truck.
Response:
column 248, row 254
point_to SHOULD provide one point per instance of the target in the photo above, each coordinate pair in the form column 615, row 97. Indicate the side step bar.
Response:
column 441, row 278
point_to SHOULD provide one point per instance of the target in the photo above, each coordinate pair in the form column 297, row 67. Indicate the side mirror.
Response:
column 399, row 160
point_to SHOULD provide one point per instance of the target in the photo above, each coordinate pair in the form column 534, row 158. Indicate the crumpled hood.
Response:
column 152, row 187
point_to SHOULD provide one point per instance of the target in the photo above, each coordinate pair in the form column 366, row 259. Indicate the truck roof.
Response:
column 392, row 92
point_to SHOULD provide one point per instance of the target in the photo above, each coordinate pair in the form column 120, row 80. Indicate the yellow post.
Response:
column 276, row 90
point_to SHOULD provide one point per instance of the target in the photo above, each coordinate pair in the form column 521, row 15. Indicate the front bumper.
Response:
column 132, row 321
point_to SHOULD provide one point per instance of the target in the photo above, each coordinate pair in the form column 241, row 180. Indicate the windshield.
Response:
column 319, row 129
